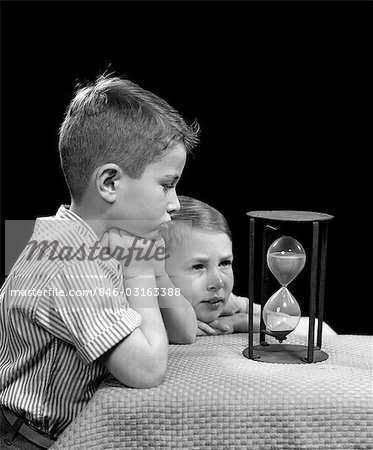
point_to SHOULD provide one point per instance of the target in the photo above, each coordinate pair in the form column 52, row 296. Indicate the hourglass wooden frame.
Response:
column 261, row 222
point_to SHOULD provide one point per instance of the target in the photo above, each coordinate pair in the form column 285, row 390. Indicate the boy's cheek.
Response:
column 229, row 285
column 226, row 308
column 227, row 292
column 205, row 316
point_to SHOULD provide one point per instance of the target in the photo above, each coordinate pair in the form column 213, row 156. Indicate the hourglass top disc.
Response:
column 290, row 216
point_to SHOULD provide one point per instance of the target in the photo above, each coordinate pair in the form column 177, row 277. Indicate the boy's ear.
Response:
column 107, row 181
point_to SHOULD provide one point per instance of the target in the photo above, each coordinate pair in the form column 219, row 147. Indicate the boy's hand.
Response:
column 139, row 257
column 222, row 325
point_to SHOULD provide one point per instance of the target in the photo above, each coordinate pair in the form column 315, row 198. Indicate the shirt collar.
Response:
column 64, row 212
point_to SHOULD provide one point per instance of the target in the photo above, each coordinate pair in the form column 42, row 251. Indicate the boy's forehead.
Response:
column 197, row 245
column 197, row 239
column 173, row 161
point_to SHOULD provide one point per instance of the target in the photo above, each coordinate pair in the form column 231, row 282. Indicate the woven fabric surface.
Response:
column 213, row 397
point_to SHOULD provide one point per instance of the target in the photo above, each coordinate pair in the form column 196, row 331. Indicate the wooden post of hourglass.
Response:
column 270, row 222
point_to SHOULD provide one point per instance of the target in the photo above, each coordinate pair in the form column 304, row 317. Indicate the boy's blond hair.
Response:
column 193, row 215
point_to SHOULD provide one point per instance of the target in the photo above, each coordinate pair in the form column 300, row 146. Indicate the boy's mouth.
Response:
column 214, row 300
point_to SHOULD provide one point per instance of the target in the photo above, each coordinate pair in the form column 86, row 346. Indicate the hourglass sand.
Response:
column 285, row 259
column 281, row 314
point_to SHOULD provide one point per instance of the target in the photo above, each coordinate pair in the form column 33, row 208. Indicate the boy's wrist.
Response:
column 239, row 322
column 139, row 277
column 162, row 278
column 231, row 323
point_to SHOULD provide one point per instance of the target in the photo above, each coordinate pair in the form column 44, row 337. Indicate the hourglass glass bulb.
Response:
column 286, row 258
column 281, row 314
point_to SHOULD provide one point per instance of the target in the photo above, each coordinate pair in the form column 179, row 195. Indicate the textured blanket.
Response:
column 213, row 397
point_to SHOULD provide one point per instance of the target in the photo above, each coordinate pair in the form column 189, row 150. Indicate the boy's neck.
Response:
column 93, row 219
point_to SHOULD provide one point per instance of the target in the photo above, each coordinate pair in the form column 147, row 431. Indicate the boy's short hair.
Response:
column 193, row 215
column 116, row 121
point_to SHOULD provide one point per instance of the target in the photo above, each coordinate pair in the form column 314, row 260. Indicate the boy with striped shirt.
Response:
column 89, row 294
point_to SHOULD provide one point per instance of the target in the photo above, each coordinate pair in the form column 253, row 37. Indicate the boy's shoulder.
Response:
column 235, row 304
column 61, row 255
column 66, row 227
column 58, row 243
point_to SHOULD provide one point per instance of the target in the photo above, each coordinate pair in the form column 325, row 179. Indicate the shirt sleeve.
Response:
column 241, row 304
column 88, row 308
column 236, row 304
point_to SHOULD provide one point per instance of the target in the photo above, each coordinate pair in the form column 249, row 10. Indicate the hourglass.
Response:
column 285, row 258
column 281, row 314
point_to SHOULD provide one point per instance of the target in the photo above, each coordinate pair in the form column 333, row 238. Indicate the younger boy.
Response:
column 122, row 152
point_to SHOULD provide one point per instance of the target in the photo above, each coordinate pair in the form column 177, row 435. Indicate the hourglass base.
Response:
column 285, row 354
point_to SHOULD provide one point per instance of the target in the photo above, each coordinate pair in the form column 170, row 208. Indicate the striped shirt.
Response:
column 58, row 315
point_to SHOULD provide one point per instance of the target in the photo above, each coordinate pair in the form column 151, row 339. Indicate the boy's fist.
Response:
column 222, row 325
column 139, row 257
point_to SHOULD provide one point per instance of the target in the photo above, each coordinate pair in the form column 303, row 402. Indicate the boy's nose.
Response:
column 174, row 205
column 215, row 283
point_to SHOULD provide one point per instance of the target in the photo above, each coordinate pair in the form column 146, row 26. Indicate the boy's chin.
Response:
column 140, row 228
column 208, row 317
column 152, row 235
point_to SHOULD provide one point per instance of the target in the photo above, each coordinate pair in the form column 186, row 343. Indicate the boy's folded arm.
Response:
column 236, row 304
column 240, row 322
column 205, row 329
column 140, row 360
column 234, row 323
column 178, row 314
column 135, row 363
column 236, row 309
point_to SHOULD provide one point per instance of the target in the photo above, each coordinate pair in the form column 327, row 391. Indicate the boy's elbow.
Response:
column 187, row 338
column 153, row 372
column 191, row 332
column 183, row 335
column 183, row 339
column 190, row 339
column 149, row 380
column 186, row 334
column 146, row 377
column 137, row 366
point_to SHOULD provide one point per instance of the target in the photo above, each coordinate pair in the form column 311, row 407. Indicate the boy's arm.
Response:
column 236, row 304
column 236, row 323
column 235, row 318
column 140, row 359
column 231, row 307
column 178, row 314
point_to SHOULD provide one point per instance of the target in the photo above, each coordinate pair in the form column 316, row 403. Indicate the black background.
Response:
column 282, row 91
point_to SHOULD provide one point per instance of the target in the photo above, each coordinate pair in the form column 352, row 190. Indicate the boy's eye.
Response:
column 198, row 267
column 226, row 263
column 167, row 187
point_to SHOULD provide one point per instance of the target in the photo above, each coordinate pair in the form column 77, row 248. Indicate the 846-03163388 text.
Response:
column 101, row 292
